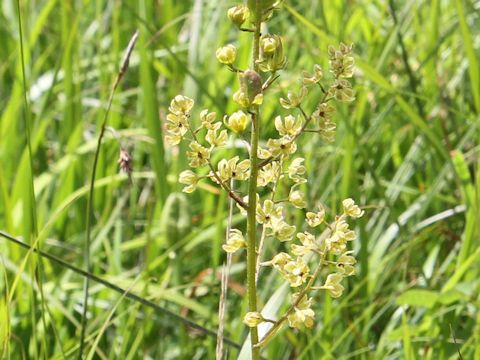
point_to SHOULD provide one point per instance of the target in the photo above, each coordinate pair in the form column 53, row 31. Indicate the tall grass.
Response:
column 408, row 149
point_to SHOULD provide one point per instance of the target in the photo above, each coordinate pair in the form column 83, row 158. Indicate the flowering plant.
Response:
column 252, row 180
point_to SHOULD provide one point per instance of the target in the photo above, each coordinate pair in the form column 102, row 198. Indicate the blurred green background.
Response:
column 407, row 148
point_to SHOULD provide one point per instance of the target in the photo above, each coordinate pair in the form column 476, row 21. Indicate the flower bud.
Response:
column 238, row 121
column 252, row 319
column 226, row 54
column 271, row 53
column 238, row 14
column 250, row 92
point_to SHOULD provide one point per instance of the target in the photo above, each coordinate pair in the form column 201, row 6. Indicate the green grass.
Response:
column 408, row 147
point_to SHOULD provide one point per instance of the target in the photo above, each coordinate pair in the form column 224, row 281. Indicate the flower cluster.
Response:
column 320, row 247
column 296, row 271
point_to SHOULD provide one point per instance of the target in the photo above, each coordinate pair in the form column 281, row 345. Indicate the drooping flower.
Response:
column 296, row 170
column 188, row 178
column 333, row 286
column 297, row 199
column 272, row 57
column 345, row 264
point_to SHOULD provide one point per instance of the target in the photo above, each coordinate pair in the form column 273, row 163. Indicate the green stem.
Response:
column 90, row 199
column 252, row 233
column 252, row 195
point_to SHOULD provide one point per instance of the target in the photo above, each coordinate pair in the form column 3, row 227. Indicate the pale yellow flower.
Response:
column 345, row 264
column 215, row 138
column 188, row 178
column 341, row 61
column 290, row 125
column 228, row 169
column 235, row 241
column 308, row 244
column 297, row 199
column 296, row 170
column 315, row 219
column 181, row 105
column 314, row 78
column 238, row 121
column 294, row 100
column 268, row 213
column 199, row 155
column 208, row 120
column 296, row 272
column 333, row 286
column 282, row 231
column 303, row 314
column 350, row 209
column 282, row 146
column 269, row 174
column 263, row 153
column 342, row 90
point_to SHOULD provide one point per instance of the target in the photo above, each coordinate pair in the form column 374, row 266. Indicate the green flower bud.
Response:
column 272, row 57
column 252, row 319
column 238, row 14
column 226, row 54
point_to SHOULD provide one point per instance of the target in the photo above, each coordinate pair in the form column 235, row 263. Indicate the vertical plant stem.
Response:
column 86, row 253
column 252, row 194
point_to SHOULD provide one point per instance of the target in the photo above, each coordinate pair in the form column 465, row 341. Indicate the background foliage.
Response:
column 407, row 147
